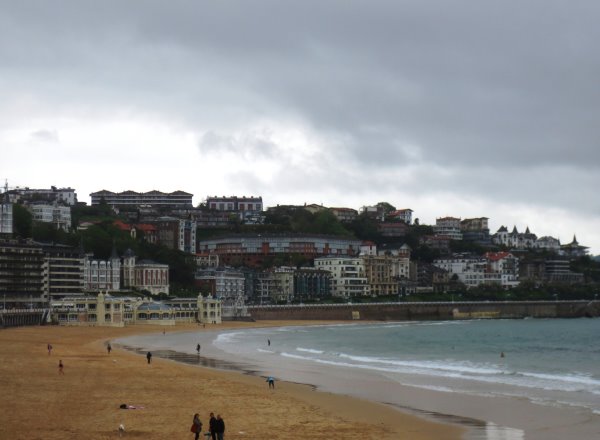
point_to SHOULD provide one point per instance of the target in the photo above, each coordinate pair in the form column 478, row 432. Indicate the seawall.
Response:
column 428, row 311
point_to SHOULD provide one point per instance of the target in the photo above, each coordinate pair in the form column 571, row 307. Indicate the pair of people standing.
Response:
column 216, row 426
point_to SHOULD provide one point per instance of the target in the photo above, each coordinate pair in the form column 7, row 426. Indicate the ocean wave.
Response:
column 309, row 350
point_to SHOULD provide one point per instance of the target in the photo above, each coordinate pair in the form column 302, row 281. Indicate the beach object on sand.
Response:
column 121, row 430
column 125, row 406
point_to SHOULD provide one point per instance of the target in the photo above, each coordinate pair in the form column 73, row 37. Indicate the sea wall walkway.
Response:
column 403, row 311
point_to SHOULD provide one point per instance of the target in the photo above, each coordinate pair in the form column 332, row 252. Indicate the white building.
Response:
column 59, row 216
column 469, row 270
column 62, row 196
column 225, row 284
column 6, row 218
column 515, row 239
column 448, row 227
column 102, row 275
column 548, row 243
column 348, row 276
column 506, row 268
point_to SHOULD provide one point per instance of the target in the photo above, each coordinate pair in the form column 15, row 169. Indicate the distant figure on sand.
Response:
column 198, row 348
column 49, row 349
column 212, row 426
column 220, row 427
column 196, row 426
column 61, row 367
column 149, row 357
column 271, row 381
column 108, row 348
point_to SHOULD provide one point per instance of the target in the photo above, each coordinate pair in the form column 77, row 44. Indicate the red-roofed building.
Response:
column 506, row 266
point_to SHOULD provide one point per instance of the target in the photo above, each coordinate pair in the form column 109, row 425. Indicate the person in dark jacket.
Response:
column 197, row 424
column 212, row 426
column 149, row 357
column 220, row 427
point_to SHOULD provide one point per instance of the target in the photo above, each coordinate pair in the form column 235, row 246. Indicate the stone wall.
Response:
column 428, row 311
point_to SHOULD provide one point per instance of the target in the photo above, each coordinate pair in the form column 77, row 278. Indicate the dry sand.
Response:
column 36, row 402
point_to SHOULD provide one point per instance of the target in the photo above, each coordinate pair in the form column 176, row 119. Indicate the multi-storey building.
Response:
column 156, row 199
column 402, row 215
column 476, row 230
column 348, row 276
column 448, row 227
column 175, row 233
column 384, row 273
column 392, row 229
column 312, row 284
column 102, row 275
column 548, row 243
column 470, row 270
column 506, row 268
column 106, row 310
column 206, row 260
column 58, row 215
column 144, row 275
column 65, row 266
column 225, row 284
column 515, row 239
column 554, row 269
column 61, row 196
column 253, row 250
column 22, row 275
column 235, row 203
column 345, row 215
column 6, row 218
column 574, row 249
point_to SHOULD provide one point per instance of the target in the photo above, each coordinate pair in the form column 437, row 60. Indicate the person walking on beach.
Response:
column 271, row 381
column 49, row 349
column 269, row 342
column 198, row 348
column 212, row 426
column 61, row 367
column 108, row 348
column 149, row 357
column 196, row 426
column 220, row 427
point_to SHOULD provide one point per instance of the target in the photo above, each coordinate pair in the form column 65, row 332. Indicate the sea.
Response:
column 548, row 363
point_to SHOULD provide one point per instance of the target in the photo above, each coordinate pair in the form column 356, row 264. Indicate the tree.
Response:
column 386, row 207
column 22, row 221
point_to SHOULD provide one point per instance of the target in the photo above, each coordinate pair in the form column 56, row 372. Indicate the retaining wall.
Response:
column 428, row 311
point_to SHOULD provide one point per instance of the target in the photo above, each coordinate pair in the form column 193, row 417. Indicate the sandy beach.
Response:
column 38, row 402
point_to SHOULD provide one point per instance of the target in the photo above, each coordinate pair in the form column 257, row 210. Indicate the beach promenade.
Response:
column 83, row 403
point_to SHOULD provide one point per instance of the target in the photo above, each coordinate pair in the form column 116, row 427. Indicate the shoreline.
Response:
column 84, row 402
column 483, row 417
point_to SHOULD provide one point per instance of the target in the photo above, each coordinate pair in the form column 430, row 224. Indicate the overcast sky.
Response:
column 461, row 108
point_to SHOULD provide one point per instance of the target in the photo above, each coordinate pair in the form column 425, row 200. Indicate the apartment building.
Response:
column 22, row 274
column 58, row 215
column 61, row 196
column 384, row 273
column 156, row 199
column 252, row 250
column 348, row 276
column 448, row 227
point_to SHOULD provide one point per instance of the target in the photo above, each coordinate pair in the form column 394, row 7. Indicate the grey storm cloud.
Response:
column 466, row 82
column 435, row 94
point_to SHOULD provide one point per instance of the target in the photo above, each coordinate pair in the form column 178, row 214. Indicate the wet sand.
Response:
column 484, row 417
column 37, row 402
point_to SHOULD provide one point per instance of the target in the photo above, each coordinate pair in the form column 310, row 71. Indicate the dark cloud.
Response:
column 494, row 100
